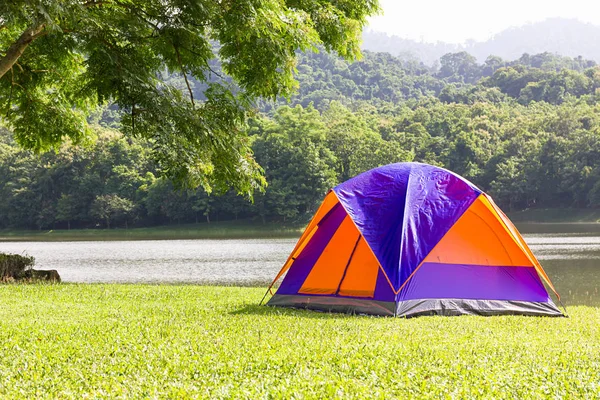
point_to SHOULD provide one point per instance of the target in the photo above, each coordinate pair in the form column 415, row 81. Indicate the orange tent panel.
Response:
column 479, row 238
column 327, row 272
column 508, row 225
column 361, row 275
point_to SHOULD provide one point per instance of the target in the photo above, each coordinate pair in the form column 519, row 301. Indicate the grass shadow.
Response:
column 255, row 309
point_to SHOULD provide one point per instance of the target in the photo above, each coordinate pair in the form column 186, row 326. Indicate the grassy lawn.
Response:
column 97, row 341
column 215, row 230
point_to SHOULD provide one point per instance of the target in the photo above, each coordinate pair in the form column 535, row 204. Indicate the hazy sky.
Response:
column 455, row 21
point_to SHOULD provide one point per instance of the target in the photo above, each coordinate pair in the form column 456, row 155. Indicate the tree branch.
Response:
column 184, row 75
column 96, row 3
column 207, row 64
column 214, row 72
column 15, row 51
column 12, row 85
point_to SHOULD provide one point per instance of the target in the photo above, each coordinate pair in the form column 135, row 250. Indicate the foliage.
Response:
column 63, row 58
column 109, row 207
column 14, row 265
column 298, row 164
column 526, row 131
column 120, row 341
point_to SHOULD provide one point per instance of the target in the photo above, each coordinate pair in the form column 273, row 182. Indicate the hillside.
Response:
column 526, row 131
column 567, row 37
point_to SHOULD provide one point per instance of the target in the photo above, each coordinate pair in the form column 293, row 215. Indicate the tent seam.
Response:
column 368, row 245
column 403, row 227
column 438, row 242
column 493, row 231
column 337, row 292
column 518, row 242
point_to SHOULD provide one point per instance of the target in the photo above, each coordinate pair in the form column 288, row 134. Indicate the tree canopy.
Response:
column 526, row 131
column 61, row 59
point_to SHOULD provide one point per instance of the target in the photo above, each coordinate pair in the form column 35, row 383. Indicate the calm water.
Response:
column 153, row 261
column 570, row 255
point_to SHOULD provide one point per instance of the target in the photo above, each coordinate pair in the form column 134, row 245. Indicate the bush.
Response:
column 14, row 265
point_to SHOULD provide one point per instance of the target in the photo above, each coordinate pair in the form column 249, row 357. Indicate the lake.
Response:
column 570, row 254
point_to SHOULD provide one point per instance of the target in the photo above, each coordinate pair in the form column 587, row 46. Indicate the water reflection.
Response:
column 571, row 260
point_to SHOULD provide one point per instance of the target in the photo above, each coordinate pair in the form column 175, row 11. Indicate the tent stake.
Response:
column 263, row 299
column 564, row 308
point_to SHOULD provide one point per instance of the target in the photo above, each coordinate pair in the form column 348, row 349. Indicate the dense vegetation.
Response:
column 527, row 131
column 14, row 266
column 170, row 341
column 61, row 59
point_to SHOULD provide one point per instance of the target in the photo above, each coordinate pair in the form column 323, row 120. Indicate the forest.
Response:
column 526, row 131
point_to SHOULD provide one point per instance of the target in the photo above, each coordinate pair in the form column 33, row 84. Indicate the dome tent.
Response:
column 412, row 239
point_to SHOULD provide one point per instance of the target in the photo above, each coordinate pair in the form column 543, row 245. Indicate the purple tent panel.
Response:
column 403, row 210
column 479, row 282
column 436, row 199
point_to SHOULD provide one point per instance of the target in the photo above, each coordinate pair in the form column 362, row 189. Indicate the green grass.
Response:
column 215, row 230
column 140, row 341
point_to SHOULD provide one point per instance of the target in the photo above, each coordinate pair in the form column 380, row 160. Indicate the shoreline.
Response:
column 214, row 231
column 532, row 218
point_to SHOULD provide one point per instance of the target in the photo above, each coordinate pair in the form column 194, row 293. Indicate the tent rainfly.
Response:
column 412, row 239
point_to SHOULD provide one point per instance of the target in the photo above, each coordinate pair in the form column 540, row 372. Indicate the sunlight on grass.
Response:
column 74, row 341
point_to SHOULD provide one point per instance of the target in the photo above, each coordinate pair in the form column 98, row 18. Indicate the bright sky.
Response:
column 456, row 21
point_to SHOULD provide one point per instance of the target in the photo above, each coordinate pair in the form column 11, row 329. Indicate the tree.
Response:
column 162, row 200
column 204, row 203
column 66, row 209
column 297, row 162
column 511, row 184
column 356, row 146
column 111, row 207
column 460, row 67
column 59, row 59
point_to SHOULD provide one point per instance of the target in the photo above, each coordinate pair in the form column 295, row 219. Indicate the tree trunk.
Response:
column 69, row 225
column 208, row 218
column 15, row 51
column 108, row 224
